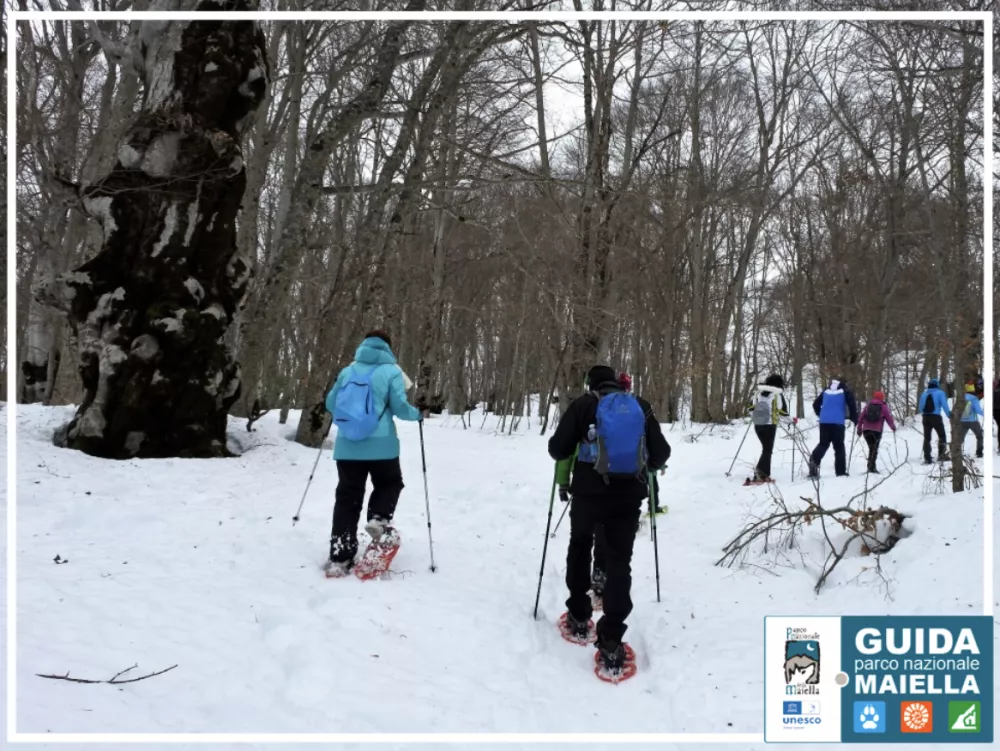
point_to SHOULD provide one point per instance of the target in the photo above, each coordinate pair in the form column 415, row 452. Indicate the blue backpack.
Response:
column 354, row 411
column 616, row 444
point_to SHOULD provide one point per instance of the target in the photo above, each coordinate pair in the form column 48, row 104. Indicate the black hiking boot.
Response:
column 813, row 471
column 611, row 657
column 578, row 629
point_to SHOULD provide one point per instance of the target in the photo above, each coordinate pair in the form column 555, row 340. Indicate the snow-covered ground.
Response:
column 197, row 564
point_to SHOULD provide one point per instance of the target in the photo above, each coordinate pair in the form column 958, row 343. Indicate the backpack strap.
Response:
column 370, row 374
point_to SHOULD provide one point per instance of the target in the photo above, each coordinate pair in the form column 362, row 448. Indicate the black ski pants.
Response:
column 387, row 480
column 619, row 519
column 873, row 438
column 600, row 542
column 830, row 434
column 766, row 435
column 934, row 424
column 600, row 550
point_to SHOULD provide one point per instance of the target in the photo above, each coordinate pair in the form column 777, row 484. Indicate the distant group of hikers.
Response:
column 837, row 404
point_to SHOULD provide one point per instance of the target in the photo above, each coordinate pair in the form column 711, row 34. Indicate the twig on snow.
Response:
column 112, row 681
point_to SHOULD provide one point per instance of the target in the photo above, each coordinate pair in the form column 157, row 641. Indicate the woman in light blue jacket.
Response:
column 970, row 420
column 368, row 394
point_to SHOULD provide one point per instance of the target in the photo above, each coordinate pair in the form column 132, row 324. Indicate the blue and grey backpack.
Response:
column 616, row 444
column 354, row 411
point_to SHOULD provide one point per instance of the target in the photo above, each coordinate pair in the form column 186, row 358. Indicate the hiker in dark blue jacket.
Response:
column 833, row 406
column 931, row 404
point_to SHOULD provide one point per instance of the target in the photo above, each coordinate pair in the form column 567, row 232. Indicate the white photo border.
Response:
column 16, row 17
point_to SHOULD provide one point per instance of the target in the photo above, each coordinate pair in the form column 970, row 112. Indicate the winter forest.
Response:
column 700, row 203
column 212, row 215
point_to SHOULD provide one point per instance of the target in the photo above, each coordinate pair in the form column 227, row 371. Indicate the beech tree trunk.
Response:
column 151, row 308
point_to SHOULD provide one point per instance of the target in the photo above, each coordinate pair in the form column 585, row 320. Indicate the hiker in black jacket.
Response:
column 612, row 502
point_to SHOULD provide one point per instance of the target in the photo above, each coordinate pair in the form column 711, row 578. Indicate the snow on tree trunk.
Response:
column 150, row 310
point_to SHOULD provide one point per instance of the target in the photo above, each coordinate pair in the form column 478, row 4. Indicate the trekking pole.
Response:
column 795, row 448
column 427, row 495
column 545, row 548
column 854, row 435
column 749, row 425
column 656, row 549
column 553, row 535
column 309, row 482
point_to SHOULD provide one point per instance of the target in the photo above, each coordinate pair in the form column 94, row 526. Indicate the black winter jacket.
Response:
column 572, row 431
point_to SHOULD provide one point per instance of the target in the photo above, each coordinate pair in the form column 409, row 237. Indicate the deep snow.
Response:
column 196, row 563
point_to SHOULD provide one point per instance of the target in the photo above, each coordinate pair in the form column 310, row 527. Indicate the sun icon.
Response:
column 916, row 717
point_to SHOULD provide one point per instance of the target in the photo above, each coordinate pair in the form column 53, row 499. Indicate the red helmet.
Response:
column 625, row 381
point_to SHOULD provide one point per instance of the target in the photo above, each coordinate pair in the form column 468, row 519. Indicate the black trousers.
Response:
column 934, row 424
column 387, row 479
column 830, row 435
column 600, row 542
column 766, row 435
column 996, row 419
column 619, row 519
column 873, row 438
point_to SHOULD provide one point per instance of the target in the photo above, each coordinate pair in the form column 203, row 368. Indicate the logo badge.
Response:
column 963, row 717
column 791, row 707
column 916, row 717
column 802, row 662
column 869, row 717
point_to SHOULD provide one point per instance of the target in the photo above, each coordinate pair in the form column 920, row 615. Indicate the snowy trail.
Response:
column 196, row 563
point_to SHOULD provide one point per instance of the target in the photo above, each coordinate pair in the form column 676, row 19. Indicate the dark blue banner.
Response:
column 917, row 679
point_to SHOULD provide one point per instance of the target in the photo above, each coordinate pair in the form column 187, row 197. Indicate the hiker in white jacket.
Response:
column 768, row 409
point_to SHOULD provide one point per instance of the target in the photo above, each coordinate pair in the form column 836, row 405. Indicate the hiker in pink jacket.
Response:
column 873, row 419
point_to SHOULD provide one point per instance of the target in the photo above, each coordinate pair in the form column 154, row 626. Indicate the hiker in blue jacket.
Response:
column 833, row 406
column 931, row 404
column 971, row 413
column 368, row 394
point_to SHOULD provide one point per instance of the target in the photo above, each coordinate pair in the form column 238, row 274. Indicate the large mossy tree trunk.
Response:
column 151, row 308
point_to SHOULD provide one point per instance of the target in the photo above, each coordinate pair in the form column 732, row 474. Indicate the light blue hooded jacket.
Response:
column 388, row 390
column 975, row 409
column 939, row 400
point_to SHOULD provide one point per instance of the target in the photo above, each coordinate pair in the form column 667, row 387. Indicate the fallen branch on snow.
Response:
column 778, row 530
column 113, row 680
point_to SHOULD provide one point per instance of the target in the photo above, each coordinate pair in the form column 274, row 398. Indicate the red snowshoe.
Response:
column 577, row 632
column 378, row 556
column 615, row 667
column 754, row 481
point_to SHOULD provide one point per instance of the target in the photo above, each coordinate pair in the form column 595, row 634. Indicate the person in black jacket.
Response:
column 615, row 504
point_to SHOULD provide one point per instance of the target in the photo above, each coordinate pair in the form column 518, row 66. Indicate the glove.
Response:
column 564, row 494
column 795, row 421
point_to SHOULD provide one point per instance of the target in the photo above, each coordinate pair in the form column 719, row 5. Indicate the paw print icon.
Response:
column 869, row 717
